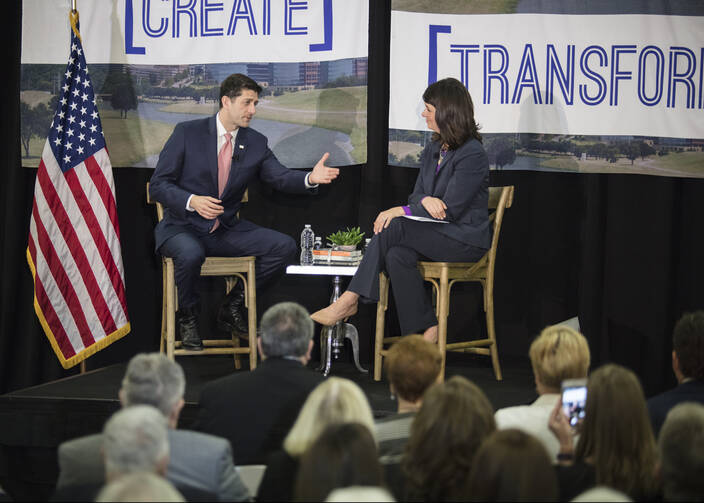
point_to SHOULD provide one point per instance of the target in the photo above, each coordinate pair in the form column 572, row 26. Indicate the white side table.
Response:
column 332, row 339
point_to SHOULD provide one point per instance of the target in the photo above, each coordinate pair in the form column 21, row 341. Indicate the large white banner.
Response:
column 155, row 63
column 179, row 32
column 558, row 74
column 583, row 92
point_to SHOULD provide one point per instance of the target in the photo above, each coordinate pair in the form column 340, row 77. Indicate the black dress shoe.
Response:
column 188, row 329
column 232, row 316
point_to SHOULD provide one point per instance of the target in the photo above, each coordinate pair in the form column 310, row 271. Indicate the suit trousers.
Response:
column 272, row 249
column 397, row 250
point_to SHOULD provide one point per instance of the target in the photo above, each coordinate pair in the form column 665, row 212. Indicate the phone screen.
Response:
column 574, row 401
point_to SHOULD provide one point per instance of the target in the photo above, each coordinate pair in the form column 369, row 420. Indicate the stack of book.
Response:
column 329, row 256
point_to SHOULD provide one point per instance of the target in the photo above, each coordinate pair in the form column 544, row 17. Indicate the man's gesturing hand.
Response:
column 321, row 173
column 206, row 206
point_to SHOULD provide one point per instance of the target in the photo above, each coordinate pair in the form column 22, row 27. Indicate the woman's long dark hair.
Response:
column 454, row 112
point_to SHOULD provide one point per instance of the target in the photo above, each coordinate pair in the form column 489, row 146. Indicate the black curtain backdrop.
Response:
column 623, row 252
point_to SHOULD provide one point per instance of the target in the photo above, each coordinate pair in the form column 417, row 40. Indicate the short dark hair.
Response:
column 512, row 465
column 688, row 343
column 232, row 86
column 343, row 455
column 454, row 112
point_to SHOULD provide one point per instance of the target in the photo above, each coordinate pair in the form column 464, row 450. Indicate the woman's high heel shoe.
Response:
column 334, row 313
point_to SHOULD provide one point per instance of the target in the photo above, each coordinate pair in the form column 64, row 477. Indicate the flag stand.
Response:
column 83, row 367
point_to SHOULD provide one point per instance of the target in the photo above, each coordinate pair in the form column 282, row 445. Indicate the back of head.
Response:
column 616, row 433
column 140, row 487
column 286, row 330
column 512, row 466
column 359, row 493
column 343, row 455
column 559, row 353
column 681, row 446
column 455, row 418
column 135, row 439
column 332, row 402
column 153, row 379
column 688, row 344
column 413, row 365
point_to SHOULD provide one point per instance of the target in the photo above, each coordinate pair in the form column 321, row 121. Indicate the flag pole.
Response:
column 74, row 17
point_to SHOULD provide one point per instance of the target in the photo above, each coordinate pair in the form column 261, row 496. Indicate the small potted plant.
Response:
column 346, row 240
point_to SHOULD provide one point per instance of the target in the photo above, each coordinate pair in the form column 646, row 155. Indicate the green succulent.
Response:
column 350, row 237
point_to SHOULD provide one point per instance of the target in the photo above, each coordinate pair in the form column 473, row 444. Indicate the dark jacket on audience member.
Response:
column 660, row 405
column 279, row 478
column 255, row 410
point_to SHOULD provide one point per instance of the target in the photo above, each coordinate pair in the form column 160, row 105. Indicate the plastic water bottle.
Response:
column 307, row 241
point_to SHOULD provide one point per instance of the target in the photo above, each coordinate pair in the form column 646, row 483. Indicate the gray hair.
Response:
column 140, row 487
column 286, row 330
column 153, row 379
column 681, row 445
column 135, row 439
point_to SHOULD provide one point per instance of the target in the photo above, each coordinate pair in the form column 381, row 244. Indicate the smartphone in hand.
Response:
column 574, row 400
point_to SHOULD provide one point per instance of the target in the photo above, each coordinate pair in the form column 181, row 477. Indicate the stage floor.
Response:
column 35, row 420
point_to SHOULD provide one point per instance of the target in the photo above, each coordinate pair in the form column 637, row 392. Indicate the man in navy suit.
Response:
column 688, row 366
column 200, row 178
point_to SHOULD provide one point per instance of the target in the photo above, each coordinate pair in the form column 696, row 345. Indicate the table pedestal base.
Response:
column 332, row 339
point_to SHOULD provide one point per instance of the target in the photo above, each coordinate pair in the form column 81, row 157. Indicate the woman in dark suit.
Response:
column 452, row 192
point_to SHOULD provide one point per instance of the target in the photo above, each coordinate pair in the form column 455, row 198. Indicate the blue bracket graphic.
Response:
column 327, row 27
column 129, row 21
column 433, row 31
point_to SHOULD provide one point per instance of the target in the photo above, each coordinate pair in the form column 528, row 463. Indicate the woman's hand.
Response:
column 385, row 217
column 435, row 206
column 560, row 427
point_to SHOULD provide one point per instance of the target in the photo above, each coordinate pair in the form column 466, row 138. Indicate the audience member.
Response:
column 602, row 494
column 343, row 455
column 454, row 419
column 141, row 486
column 616, row 447
column 334, row 401
column 688, row 366
column 412, row 366
column 255, row 410
column 512, row 465
column 681, row 446
column 558, row 353
column 198, row 461
column 360, row 494
column 134, row 440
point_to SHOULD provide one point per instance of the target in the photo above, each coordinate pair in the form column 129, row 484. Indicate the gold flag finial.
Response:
column 73, row 16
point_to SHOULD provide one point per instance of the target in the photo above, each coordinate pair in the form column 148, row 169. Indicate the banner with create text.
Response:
column 583, row 87
column 155, row 63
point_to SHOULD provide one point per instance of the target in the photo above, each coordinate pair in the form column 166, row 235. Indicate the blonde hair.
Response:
column 559, row 353
column 334, row 401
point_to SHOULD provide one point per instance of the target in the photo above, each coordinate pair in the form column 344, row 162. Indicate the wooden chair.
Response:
column 445, row 274
column 228, row 267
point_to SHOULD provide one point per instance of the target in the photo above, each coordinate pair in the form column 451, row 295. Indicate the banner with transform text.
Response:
column 155, row 63
column 579, row 91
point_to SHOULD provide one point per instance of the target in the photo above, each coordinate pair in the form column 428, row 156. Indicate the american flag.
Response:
column 74, row 236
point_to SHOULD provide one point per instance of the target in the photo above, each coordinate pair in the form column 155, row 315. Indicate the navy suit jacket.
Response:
column 463, row 185
column 188, row 165
column 660, row 405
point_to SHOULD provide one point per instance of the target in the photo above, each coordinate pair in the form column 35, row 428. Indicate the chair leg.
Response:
column 164, row 312
column 380, row 319
column 491, row 332
column 235, row 345
column 443, row 311
column 252, row 316
column 170, row 311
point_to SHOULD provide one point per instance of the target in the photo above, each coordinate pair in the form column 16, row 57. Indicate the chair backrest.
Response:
column 500, row 198
column 251, row 476
column 160, row 208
